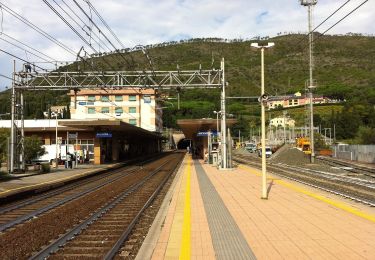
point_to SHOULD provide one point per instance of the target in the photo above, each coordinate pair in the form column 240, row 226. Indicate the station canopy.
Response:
column 191, row 127
column 108, row 125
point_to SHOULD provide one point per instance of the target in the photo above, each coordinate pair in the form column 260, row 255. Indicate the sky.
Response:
column 154, row 21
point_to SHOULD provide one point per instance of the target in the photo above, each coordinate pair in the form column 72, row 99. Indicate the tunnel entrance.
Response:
column 183, row 144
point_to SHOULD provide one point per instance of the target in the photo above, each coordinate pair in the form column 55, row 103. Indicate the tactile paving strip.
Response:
column 227, row 238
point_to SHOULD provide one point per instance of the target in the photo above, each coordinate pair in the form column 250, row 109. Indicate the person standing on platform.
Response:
column 68, row 160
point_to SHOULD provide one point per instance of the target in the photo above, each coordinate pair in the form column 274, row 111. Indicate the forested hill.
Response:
column 344, row 69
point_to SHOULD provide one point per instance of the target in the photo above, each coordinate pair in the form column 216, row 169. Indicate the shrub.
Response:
column 45, row 168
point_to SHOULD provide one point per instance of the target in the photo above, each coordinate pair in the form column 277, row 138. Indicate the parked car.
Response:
column 250, row 147
column 268, row 152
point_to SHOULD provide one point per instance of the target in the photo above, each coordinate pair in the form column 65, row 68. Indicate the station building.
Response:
column 105, row 125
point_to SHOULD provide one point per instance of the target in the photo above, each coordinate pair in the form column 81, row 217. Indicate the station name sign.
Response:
column 103, row 135
column 213, row 133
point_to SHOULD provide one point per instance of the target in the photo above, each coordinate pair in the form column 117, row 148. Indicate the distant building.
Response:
column 55, row 110
column 297, row 99
column 136, row 106
column 282, row 121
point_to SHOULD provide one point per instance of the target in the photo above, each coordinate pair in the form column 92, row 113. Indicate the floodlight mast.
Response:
column 310, row 85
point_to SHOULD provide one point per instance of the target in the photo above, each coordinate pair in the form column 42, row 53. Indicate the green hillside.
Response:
column 344, row 69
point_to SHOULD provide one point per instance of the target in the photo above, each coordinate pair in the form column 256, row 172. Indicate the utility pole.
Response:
column 311, row 85
column 12, row 128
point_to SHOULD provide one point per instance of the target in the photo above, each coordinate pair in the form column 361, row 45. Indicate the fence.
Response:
column 360, row 153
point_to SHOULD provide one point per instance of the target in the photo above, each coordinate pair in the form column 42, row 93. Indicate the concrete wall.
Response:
column 360, row 153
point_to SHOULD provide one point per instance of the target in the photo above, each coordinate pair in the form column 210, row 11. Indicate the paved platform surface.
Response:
column 216, row 214
column 38, row 181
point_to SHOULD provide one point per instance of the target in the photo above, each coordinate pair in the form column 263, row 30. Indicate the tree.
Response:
column 365, row 135
column 33, row 148
column 4, row 135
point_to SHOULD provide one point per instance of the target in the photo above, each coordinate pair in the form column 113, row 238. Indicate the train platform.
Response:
column 213, row 214
column 23, row 183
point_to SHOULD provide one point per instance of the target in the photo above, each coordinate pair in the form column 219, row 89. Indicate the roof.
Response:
column 44, row 125
column 191, row 127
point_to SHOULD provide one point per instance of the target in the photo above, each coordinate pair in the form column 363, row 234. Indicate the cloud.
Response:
column 148, row 21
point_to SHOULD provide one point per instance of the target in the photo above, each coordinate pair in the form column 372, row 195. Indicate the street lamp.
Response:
column 263, row 99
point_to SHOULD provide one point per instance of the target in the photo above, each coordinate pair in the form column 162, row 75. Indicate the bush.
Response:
column 45, row 168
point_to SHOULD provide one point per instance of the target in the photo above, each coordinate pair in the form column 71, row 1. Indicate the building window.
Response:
column 132, row 110
column 118, row 98
column 132, row 98
column 118, row 111
column 91, row 98
column 105, row 110
column 91, row 110
column 133, row 121
column 104, row 98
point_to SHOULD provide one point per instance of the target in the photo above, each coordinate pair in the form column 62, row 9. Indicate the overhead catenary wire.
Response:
column 38, row 29
column 105, row 36
column 104, row 22
column 26, row 51
column 99, row 41
column 69, row 25
column 339, row 21
column 77, row 33
column 21, row 59
column 51, row 60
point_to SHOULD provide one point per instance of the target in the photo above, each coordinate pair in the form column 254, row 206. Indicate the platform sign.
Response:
column 213, row 133
column 103, row 135
column 73, row 135
column 82, row 103
column 147, row 99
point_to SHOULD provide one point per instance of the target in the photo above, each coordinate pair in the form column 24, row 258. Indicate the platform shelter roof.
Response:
column 191, row 127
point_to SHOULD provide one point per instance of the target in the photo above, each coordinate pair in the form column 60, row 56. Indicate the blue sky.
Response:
column 149, row 21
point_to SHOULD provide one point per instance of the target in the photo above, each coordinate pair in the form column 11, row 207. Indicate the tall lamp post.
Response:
column 310, row 4
column 263, row 99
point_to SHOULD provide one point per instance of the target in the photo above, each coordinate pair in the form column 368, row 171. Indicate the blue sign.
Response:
column 147, row 99
column 103, row 135
column 82, row 103
column 213, row 133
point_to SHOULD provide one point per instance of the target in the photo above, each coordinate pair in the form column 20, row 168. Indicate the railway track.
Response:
column 21, row 211
column 357, row 189
column 347, row 166
column 97, row 221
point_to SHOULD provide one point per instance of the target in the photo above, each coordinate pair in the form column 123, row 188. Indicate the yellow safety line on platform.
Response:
column 334, row 203
column 42, row 183
column 186, row 228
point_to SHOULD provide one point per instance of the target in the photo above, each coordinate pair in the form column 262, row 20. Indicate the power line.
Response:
column 84, row 24
column 28, row 46
column 77, row 33
column 36, row 55
column 96, row 26
column 341, row 19
column 104, row 22
column 331, row 15
column 69, row 25
column 37, row 29
column 14, row 56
